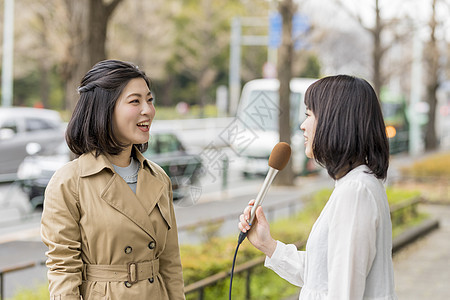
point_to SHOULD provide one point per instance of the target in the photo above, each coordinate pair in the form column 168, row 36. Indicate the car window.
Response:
column 9, row 124
column 33, row 124
column 164, row 143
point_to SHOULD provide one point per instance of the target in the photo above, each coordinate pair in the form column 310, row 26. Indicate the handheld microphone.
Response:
column 278, row 159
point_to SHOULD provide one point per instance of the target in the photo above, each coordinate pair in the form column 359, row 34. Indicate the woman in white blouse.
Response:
column 349, row 250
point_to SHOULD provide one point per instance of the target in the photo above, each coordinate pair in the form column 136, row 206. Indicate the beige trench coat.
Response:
column 105, row 242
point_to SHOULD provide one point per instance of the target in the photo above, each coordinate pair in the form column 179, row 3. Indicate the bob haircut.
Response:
column 350, row 127
column 90, row 129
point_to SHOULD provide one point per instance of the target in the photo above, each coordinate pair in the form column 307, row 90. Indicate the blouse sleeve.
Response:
column 351, row 240
column 288, row 263
column 61, row 234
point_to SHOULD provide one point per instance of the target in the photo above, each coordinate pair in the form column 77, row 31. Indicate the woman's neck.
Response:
column 122, row 159
column 347, row 168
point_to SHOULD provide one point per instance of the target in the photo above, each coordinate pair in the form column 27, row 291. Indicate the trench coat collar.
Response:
column 91, row 165
column 137, row 207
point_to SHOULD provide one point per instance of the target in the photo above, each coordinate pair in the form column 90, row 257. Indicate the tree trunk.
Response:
column 98, row 22
column 432, row 59
column 89, row 22
column 76, row 61
column 285, row 56
column 44, row 84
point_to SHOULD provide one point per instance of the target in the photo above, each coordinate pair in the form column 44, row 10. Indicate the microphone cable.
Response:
column 240, row 240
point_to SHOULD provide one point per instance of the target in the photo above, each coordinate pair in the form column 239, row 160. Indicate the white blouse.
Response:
column 349, row 250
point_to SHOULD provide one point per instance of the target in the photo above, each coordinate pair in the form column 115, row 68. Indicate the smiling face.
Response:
column 133, row 113
column 309, row 128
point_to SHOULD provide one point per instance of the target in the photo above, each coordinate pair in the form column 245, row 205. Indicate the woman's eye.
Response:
column 150, row 100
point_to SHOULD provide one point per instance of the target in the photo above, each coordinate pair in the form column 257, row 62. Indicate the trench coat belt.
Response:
column 131, row 272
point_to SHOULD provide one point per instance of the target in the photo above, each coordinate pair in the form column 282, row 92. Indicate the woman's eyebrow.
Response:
column 138, row 95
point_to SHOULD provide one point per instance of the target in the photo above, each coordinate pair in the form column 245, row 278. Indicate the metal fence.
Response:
column 14, row 268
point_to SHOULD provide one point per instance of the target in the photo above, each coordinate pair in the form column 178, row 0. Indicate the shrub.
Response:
column 437, row 165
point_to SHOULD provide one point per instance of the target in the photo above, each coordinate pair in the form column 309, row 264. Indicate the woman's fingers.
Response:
column 243, row 224
column 244, row 219
column 248, row 209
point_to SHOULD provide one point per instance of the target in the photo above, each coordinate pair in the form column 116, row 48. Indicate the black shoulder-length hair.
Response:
column 350, row 126
column 90, row 128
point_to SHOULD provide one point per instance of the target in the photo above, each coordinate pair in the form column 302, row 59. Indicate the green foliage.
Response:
column 396, row 195
column 195, row 112
column 28, row 90
column 200, row 61
column 312, row 68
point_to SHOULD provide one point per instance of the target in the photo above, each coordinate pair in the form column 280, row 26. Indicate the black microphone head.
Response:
column 280, row 156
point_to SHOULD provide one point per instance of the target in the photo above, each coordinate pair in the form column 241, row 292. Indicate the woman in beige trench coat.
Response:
column 110, row 235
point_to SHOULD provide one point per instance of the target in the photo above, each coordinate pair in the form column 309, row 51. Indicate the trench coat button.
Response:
column 127, row 284
column 152, row 245
column 151, row 280
column 128, row 249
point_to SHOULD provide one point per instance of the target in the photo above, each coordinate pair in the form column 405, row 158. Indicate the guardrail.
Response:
column 8, row 178
column 269, row 210
column 400, row 210
column 14, row 268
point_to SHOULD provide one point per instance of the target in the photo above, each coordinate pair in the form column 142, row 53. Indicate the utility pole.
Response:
column 415, row 144
column 8, row 54
column 234, row 79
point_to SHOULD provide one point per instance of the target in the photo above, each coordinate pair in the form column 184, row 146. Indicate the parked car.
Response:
column 20, row 126
column 184, row 168
column 165, row 149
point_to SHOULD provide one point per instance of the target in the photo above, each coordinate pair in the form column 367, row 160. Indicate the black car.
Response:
column 165, row 149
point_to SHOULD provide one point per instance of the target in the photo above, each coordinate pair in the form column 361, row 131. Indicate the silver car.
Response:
column 20, row 126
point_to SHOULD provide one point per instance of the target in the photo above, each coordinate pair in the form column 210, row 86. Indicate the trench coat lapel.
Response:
column 118, row 194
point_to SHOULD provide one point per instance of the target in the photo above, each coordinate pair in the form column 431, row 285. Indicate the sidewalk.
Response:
column 422, row 269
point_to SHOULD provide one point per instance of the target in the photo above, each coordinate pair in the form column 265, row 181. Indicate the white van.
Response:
column 257, row 118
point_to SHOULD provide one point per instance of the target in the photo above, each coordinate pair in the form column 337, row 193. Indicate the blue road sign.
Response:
column 300, row 25
column 275, row 26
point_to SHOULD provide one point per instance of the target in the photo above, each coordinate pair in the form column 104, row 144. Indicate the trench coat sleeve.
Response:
column 170, row 261
column 60, row 232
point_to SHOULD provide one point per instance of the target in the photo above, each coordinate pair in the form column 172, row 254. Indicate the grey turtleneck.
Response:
column 129, row 174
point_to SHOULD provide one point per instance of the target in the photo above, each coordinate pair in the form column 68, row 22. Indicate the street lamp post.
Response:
column 7, row 64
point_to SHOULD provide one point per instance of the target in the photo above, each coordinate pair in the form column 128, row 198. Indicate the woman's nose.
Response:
column 302, row 126
column 147, row 108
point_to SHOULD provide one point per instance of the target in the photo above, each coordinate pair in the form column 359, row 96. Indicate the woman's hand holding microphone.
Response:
column 259, row 235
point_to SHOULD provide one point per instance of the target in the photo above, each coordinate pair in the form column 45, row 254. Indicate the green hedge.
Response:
column 437, row 165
